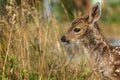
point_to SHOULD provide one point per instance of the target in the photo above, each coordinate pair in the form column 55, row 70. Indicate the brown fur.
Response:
column 105, row 58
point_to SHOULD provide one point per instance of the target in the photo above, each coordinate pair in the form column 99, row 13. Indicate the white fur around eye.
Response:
column 76, row 30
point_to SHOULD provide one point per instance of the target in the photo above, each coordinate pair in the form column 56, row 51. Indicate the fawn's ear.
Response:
column 95, row 13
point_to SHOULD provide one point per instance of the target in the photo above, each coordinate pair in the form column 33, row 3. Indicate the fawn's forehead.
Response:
column 80, row 20
column 83, row 20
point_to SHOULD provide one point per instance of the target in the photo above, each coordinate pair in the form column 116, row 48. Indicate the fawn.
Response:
column 105, row 58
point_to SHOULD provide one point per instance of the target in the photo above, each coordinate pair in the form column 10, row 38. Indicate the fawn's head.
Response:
column 83, row 26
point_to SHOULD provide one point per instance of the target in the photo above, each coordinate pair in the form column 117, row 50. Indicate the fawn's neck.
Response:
column 95, row 43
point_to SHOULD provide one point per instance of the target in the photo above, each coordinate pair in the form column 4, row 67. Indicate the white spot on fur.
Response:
column 114, row 74
column 119, row 53
column 117, row 70
column 104, row 43
column 116, row 47
column 111, row 58
column 117, row 62
column 116, row 51
column 113, row 50
column 110, row 62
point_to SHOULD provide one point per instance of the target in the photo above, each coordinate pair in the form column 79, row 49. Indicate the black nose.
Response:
column 63, row 39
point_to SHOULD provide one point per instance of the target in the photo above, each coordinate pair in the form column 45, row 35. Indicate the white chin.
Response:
column 65, row 43
column 78, row 42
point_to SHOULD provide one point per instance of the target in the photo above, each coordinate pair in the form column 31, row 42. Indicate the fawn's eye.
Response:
column 76, row 30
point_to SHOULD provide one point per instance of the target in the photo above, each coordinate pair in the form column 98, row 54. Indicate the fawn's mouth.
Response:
column 64, row 40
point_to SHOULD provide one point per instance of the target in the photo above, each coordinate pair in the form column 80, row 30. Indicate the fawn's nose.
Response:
column 63, row 39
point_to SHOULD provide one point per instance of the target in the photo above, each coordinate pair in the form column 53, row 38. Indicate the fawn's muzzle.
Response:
column 63, row 39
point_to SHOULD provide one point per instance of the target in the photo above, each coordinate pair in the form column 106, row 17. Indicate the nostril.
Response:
column 63, row 39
